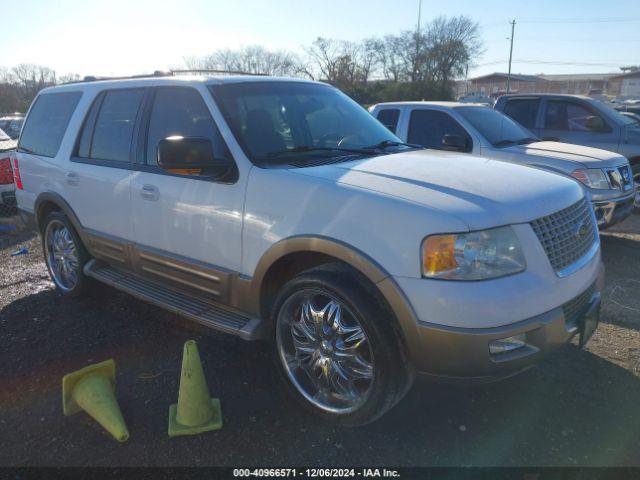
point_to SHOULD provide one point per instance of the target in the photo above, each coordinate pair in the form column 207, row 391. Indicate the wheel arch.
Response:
column 48, row 202
column 291, row 256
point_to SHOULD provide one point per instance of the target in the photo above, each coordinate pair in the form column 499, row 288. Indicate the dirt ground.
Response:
column 578, row 407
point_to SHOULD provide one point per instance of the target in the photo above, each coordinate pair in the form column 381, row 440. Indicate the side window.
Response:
column 570, row 116
column 113, row 131
column 389, row 118
column 428, row 127
column 182, row 111
column 47, row 121
column 523, row 110
column 84, row 145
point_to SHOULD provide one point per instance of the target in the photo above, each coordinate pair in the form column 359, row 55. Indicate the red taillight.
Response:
column 6, row 175
column 16, row 175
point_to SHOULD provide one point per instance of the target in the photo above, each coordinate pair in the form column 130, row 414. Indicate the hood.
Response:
column 588, row 157
column 482, row 193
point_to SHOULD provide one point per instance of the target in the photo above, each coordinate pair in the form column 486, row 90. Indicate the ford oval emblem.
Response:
column 581, row 230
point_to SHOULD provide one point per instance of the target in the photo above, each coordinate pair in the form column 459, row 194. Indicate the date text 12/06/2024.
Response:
column 316, row 472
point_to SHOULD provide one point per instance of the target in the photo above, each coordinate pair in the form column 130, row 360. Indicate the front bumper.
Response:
column 610, row 212
column 458, row 354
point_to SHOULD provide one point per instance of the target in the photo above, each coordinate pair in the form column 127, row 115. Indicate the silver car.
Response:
column 485, row 132
column 577, row 119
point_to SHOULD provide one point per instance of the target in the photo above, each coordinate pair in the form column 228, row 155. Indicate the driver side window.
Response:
column 428, row 128
column 180, row 111
column 570, row 116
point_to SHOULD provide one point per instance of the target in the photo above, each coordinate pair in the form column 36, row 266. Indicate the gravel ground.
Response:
column 578, row 407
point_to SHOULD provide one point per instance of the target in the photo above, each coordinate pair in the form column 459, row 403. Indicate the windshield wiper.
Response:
column 504, row 143
column 524, row 141
column 392, row 143
column 309, row 148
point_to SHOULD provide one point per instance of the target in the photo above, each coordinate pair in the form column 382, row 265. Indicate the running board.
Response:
column 189, row 306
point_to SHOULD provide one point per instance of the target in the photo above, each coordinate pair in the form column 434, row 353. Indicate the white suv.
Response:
column 280, row 209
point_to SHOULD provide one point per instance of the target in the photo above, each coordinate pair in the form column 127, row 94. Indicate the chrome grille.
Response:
column 567, row 235
column 576, row 307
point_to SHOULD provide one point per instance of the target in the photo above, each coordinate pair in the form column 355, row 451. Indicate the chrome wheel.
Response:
column 325, row 351
column 61, row 254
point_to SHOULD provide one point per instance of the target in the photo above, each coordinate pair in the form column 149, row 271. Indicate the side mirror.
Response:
column 595, row 124
column 454, row 142
column 180, row 153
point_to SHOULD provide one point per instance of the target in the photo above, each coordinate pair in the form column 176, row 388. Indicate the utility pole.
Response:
column 513, row 26
column 418, row 35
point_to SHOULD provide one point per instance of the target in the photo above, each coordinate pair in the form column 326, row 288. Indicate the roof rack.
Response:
column 157, row 73
column 223, row 72
column 170, row 73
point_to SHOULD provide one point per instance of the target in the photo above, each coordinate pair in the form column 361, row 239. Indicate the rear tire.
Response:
column 65, row 255
column 336, row 348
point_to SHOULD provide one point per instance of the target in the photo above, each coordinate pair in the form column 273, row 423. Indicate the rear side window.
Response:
column 47, row 121
column 114, row 125
column 389, row 118
column 428, row 127
column 523, row 110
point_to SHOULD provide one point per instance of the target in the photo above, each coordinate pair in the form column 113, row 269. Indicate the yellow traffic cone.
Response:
column 196, row 411
column 92, row 389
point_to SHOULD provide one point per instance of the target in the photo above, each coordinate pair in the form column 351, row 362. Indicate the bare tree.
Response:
column 452, row 43
column 439, row 51
column 30, row 78
column 19, row 85
column 344, row 63
column 391, row 58
column 253, row 59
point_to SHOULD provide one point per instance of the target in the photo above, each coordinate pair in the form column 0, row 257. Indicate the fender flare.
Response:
column 62, row 204
column 375, row 273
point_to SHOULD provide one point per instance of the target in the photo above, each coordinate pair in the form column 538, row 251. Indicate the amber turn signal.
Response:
column 438, row 254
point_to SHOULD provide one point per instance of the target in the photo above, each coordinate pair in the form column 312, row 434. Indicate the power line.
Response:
column 579, row 20
column 566, row 20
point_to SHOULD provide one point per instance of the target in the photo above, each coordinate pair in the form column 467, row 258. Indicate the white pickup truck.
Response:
column 280, row 209
column 482, row 131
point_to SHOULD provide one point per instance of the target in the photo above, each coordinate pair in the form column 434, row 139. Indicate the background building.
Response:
column 622, row 85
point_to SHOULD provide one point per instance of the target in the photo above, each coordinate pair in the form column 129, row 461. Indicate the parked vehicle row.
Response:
column 484, row 132
column 280, row 209
column 7, row 189
column 11, row 125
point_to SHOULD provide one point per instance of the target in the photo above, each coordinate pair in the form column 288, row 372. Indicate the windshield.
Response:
column 612, row 112
column 279, row 122
column 497, row 128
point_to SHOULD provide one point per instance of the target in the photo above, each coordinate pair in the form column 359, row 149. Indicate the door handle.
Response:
column 71, row 178
column 149, row 192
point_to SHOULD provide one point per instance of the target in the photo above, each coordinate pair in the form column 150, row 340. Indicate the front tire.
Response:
column 336, row 347
column 65, row 255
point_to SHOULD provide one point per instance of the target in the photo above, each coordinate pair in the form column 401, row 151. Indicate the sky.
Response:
column 123, row 37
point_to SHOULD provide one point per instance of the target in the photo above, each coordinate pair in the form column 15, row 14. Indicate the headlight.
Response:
column 592, row 177
column 472, row 256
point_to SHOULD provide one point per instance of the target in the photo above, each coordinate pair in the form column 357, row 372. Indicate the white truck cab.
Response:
column 479, row 130
column 279, row 209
